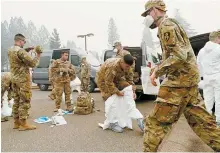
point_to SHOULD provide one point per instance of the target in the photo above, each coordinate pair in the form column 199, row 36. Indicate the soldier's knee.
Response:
column 166, row 113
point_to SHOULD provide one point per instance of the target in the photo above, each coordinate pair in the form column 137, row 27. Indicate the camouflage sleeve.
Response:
column 175, row 49
column 55, row 68
column 129, row 76
column 109, row 78
column 26, row 58
column 72, row 71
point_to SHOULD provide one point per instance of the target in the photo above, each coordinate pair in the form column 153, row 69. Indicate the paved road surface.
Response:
column 83, row 134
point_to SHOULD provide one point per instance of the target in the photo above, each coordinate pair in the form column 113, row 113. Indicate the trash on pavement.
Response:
column 58, row 120
column 42, row 119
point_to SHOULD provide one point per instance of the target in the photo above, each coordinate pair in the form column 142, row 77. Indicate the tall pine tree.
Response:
column 112, row 32
column 55, row 40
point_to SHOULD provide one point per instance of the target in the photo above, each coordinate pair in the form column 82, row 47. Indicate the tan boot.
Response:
column 4, row 119
column 16, row 123
column 55, row 110
column 51, row 97
column 25, row 126
column 69, row 108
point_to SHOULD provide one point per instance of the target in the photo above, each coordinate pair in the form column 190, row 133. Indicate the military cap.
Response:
column 159, row 4
column 117, row 43
column 213, row 35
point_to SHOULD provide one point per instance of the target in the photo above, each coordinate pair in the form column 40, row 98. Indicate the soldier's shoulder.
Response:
column 169, row 23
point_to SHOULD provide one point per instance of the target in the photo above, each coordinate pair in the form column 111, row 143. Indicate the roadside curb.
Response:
column 34, row 87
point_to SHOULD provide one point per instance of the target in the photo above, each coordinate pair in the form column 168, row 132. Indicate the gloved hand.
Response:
column 38, row 50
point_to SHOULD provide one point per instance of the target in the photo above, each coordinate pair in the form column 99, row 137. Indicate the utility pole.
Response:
column 85, row 36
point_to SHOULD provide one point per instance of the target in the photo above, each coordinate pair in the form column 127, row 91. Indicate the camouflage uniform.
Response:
column 63, row 72
column 85, row 69
column 179, row 91
column 129, row 74
column 111, row 78
column 20, row 62
column 51, row 79
column 6, row 85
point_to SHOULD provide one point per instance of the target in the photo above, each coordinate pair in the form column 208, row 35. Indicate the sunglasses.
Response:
column 148, row 12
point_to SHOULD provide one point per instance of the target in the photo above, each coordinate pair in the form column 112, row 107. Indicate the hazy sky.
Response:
column 80, row 17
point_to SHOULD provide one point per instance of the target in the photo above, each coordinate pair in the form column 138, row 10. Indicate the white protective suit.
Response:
column 209, row 65
column 121, row 110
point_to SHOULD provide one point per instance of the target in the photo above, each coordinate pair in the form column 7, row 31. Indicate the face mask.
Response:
column 115, row 50
column 149, row 22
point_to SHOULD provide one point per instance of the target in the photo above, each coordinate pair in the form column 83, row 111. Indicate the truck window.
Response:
column 75, row 60
column 44, row 62
column 109, row 54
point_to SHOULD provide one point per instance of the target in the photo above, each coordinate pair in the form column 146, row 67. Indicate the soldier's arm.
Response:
column 109, row 78
column 24, row 56
column 175, row 48
column 129, row 76
column 55, row 67
column 72, row 71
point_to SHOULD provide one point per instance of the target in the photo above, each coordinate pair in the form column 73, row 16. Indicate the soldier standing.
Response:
column 20, row 62
column 63, row 72
column 51, row 79
column 179, row 91
column 85, row 75
column 6, row 86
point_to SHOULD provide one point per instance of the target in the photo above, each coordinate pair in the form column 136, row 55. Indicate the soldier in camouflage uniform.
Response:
column 111, row 76
column 51, row 79
column 63, row 72
column 120, row 53
column 20, row 62
column 6, row 86
column 85, row 75
column 179, row 91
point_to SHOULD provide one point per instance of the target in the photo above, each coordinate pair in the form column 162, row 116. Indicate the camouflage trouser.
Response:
column 53, row 93
column 104, row 90
column 10, row 93
column 170, row 104
column 85, row 84
column 22, row 98
column 59, row 88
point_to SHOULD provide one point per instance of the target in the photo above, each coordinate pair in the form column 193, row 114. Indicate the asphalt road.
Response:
column 82, row 134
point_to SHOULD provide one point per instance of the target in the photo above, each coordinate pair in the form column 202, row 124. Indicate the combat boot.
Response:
column 51, row 97
column 4, row 119
column 69, row 108
column 25, row 126
column 16, row 123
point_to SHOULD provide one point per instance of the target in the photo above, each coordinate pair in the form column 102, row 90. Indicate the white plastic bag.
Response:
column 121, row 110
column 147, row 86
column 201, row 84
column 75, row 85
column 6, row 110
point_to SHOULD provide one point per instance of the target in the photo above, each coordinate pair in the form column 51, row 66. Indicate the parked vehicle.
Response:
column 145, row 58
column 40, row 74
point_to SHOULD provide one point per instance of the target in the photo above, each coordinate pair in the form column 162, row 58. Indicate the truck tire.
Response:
column 43, row 87
column 92, row 86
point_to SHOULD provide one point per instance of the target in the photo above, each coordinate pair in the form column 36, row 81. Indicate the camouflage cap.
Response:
column 117, row 43
column 84, row 57
column 213, row 35
column 159, row 4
